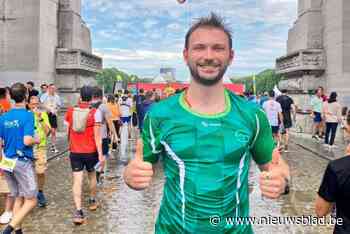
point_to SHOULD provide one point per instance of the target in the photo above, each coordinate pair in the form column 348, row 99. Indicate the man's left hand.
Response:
column 273, row 181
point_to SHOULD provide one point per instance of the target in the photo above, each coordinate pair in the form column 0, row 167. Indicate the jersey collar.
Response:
column 184, row 105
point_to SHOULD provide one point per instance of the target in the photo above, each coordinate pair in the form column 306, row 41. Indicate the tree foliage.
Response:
column 265, row 81
column 108, row 76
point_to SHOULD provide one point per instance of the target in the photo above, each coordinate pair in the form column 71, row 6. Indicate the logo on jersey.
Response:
column 11, row 124
column 241, row 136
column 205, row 124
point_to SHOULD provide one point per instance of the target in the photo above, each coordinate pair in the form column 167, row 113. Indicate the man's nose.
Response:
column 209, row 53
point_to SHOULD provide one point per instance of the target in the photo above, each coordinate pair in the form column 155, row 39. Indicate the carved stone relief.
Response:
column 67, row 58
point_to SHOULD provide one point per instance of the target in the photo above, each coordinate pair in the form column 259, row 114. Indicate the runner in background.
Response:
column 31, row 90
column 125, row 118
column 17, row 136
column 43, row 90
column 345, row 126
column 323, row 123
column 288, row 111
column 168, row 91
column 134, row 117
column 5, row 218
column 332, row 116
column 316, row 113
column 274, row 114
column 114, row 109
column 146, row 106
column 264, row 98
column 107, row 126
column 42, row 129
column 5, row 104
column 139, row 100
column 52, row 103
column 85, row 146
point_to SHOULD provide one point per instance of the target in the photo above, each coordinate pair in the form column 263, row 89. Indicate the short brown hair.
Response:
column 211, row 21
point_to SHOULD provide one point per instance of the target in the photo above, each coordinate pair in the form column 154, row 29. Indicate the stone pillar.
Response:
column 28, row 38
column 337, row 45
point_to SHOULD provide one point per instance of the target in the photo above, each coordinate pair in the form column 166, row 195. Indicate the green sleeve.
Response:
column 151, row 139
column 263, row 143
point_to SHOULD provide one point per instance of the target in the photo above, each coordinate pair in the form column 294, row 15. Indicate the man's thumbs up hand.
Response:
column 138, row 174
column 273, row 180
column 139, row 150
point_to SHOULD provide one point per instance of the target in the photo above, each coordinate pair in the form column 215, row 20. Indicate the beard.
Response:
column 207, row 81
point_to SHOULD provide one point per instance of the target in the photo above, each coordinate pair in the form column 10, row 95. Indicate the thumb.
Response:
column 276, row 156
column 139, row 150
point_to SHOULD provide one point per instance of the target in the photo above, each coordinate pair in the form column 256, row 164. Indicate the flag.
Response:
column 119, row 78
column 254, row 85
column 276, row 91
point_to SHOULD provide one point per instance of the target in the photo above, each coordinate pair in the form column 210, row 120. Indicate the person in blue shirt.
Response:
column 145, row 106
column 17, row 140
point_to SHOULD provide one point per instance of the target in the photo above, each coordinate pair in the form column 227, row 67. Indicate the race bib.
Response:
column 8, row 164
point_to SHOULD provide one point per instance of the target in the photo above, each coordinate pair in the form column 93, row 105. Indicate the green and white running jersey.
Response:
column 206, row 162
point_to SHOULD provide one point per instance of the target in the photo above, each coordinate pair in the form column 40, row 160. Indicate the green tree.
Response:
column 265, row 81
column 108, row 76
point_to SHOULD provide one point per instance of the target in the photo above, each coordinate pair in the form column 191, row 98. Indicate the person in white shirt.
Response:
column 332, row 116
column 52, row 103
column 274, row 113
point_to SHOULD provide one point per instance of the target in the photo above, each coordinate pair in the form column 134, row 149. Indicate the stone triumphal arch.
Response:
column 46, row 41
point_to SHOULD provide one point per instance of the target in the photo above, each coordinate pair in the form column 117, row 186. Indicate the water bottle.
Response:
column 98, row 167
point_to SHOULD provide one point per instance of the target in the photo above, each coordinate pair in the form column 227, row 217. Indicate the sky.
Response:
column 141, row 36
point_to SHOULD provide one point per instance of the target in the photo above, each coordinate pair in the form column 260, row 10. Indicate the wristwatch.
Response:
column 287, row 188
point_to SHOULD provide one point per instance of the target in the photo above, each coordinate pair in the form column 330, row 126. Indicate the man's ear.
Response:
column 185, row 55
column 232, row 56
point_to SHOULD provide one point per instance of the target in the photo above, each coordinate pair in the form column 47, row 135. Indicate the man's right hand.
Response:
column 138, row 174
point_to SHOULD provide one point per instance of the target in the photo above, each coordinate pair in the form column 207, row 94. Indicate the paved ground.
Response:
column 126, row 211
column 305, row 141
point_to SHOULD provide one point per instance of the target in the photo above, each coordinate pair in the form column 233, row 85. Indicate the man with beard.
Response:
column 207, row 137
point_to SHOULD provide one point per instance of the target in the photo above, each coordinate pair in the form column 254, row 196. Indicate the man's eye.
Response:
column 199, row 48
column 219, row 48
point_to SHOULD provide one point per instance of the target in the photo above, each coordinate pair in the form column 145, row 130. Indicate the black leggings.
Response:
column 331, row 129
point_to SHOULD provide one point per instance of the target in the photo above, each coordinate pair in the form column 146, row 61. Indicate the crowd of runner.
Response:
column 33, row 115
column 326, row 113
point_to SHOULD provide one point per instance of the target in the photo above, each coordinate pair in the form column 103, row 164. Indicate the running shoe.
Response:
column 53, row 149
column 79, row 217
column 93, row 204
column 18, row 231
column 41, row 199
column 99, row 177
column 315, row 137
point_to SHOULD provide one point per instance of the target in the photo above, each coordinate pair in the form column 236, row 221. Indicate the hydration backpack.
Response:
column 80, row 116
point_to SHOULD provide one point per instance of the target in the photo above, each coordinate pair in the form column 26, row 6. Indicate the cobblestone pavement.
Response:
column 316, row 146
column 126, row 211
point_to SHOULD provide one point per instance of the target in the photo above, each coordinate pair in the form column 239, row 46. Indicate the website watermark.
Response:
column 304, row 220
